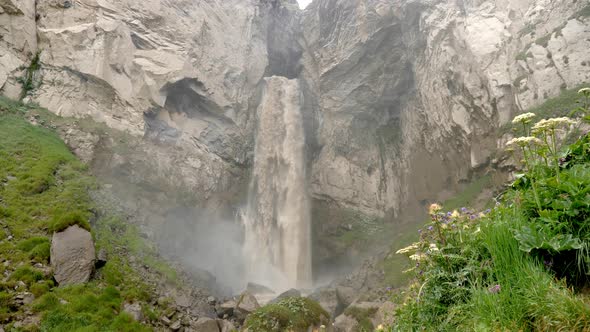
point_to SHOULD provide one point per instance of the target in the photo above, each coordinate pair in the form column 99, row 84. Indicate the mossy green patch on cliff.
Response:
column 28, row 80
column 582, row 13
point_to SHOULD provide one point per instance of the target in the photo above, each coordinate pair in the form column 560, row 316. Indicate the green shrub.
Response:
column 28, row 244
column 46, row 302
column 5, row 300
column 39, row 289
column 295, row 313
column 26, row 274
column 41, row 252
column 37, row 248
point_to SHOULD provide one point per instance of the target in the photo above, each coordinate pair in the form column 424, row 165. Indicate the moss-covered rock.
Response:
column 289, row 314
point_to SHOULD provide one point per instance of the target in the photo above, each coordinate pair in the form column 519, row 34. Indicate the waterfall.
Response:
column 276, row 220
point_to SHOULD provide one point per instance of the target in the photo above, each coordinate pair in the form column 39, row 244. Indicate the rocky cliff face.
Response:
column 401, row 98
column 411, row 92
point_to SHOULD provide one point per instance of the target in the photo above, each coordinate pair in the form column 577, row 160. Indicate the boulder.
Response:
column 182, row 300
column 72, row 256
column 344, row 323
column 226, row 308
column 205, row 324
column 327, row 297
column 245, row 305
column 176, row 325
column 226, row 326
column 134, row 310
column 255, row 288
column 290, row 293
column 346, row 295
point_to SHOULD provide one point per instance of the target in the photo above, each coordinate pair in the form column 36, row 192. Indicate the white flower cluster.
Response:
column 411, row 248
column 523, row 118
column 418, row 257
column 551, row 124
column 584, row 91
column 524, row 141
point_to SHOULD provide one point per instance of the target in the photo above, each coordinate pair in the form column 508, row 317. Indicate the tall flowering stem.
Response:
column 586, row 93
column 526, row 143
column 533, row 182
column 547, row 129
column 524, row 119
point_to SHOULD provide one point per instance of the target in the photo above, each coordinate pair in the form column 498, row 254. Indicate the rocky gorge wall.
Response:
column 410, row 93
column 402, row 98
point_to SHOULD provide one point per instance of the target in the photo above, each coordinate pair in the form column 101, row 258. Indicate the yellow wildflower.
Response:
column 455, row 214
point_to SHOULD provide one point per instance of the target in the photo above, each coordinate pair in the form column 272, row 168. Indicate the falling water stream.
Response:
column 277, row 218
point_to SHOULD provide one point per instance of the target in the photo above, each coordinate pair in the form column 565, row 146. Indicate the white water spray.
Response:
column 277, row 219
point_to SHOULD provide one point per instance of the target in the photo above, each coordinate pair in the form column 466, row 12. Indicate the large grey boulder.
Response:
column 72, row 256
column 246, row 304
column 205, row 324
column 134, row 310
column 226, row 326
column 344, row 323
column 346, row 295
column 327, row 297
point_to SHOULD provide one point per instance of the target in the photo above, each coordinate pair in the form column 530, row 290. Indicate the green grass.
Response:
column 561, row 105
column 468, row 195
column 290, row 314
column 530, row 292
column 61, row 222
column 393, row 265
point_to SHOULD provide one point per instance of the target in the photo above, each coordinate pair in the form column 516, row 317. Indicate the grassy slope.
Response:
column 44, row 187
column 561, row 105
